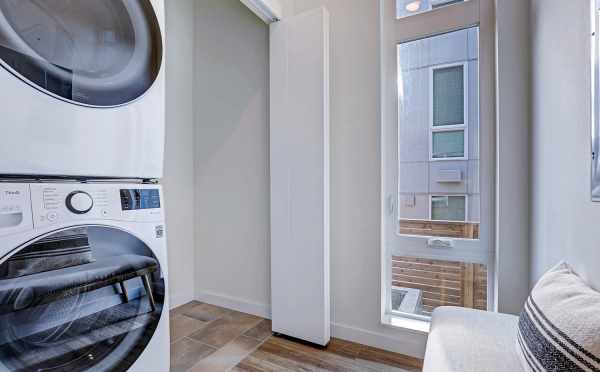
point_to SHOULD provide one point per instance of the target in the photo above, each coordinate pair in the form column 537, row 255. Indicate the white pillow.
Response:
column 559, row 328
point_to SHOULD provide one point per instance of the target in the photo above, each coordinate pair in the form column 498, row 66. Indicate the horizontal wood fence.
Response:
column 442, row 283
column 448, row 229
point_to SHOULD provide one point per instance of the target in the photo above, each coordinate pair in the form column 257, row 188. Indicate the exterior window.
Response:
column 448, row 111
column 448, row 144
column 448, row 96
column 448, row 208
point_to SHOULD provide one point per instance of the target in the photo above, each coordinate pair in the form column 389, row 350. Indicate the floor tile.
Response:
column 261, row 331
column 225, row 329
column 214, row 339
column 386, row 361
column 205, row 312
column 181, row 309
column 228, row 357
column 182, row 326
column 187, row 352
column 304, row 357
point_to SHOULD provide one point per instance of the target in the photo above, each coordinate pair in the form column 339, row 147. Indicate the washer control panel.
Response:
column 55, row 203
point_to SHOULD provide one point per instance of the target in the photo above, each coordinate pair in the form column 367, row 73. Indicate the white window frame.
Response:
column 455, row 127
column 431, row 196
column 395, row 31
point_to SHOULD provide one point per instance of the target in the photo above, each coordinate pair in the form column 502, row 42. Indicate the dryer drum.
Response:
column 96, row 314
column 99, row 53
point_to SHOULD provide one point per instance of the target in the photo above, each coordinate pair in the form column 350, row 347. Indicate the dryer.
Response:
column 83, row 272
column 82, row 88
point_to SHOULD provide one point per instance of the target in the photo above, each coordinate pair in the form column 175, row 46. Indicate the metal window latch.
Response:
column 390, row 204
column 442, row 243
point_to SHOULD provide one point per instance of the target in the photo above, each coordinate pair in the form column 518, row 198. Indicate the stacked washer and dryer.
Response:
column 83, row 255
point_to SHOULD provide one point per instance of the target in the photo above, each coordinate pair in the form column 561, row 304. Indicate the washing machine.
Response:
column 83, row 273
column 82, row 89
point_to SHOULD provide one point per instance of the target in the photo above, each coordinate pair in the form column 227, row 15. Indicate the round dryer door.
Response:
column 99, row 53
column 81, row 299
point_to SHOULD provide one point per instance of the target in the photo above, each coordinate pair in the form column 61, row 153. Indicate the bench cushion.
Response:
column 31, row 290
column 463, row 340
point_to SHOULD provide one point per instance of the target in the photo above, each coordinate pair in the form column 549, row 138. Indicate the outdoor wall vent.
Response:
column 449, row 176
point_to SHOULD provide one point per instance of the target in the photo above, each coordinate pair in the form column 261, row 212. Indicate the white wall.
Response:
column 178, row 179
column 232, row 159
column 564, row 219
column 513, row 151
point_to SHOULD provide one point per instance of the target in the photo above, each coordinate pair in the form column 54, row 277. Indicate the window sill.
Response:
column 400, row 322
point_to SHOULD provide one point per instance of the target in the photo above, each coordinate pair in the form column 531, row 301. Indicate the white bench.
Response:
column 465, row 340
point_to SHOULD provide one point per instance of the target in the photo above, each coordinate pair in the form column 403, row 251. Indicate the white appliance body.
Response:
column 45, row 134
column 30, row 212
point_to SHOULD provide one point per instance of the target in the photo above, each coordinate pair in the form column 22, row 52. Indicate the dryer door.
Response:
column 93, row 53
column 81, row 299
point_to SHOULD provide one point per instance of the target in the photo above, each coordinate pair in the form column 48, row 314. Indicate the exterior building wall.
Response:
column 419, row 176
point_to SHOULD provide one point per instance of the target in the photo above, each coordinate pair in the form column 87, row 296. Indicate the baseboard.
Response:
column 234, row 303
column 410, row 344
column 179, row 299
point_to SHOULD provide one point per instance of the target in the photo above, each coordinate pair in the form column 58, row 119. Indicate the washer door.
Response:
column 98, row 53
column 82, row 299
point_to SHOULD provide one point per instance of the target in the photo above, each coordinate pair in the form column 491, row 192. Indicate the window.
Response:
column 448, row 96
column 448, row 111
column 406, row 8
column 448, row 144
column 438, row 163
column 449, row 208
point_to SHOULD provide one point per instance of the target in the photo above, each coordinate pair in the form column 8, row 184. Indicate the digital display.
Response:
column 134, row 199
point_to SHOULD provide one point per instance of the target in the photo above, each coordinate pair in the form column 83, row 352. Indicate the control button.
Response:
column 52, row 216
column 79, row 202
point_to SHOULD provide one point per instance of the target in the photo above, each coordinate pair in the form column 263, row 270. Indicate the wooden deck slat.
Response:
column 442, row 282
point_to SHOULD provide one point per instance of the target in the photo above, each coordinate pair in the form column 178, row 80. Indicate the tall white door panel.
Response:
column 299, row 138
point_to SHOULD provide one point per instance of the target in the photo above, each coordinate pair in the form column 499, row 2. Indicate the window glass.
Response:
column 448, row 208
column 448, row 144
column 96, row 53
column 406, row 8
column 448, row 96
column 419, row 285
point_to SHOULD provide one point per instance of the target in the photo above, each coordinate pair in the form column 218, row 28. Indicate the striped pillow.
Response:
column 57, row 251
column 559, row 329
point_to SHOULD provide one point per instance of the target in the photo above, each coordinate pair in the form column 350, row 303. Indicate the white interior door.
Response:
column 299, row 137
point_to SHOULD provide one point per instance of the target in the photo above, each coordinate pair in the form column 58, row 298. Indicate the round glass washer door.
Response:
column 100, row 53
column 87, row 298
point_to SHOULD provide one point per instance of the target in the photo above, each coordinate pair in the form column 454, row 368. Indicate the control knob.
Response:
column 79, row 202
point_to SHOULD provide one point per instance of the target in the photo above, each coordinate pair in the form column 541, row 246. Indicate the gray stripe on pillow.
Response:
column 561, row 344
column 527, row 353
column 544, row 351
column 561, row 333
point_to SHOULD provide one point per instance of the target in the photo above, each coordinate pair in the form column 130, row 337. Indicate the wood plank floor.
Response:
column 207, row 338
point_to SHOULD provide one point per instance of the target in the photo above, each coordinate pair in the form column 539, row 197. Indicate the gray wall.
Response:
column 513, row 151
column 178, row 179
column 564, row 220
column 232, row 160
